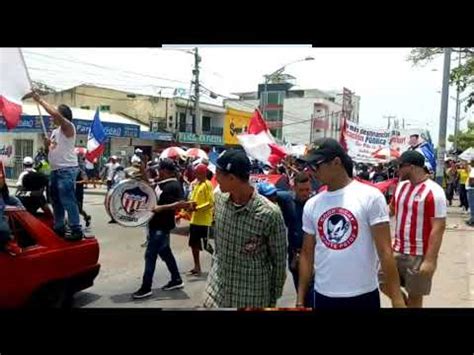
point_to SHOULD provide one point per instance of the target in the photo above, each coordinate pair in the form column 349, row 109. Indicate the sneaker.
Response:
column 142, row 293
column 173, row 285
column 75, row 236
column 60, row 232
column 88, row 220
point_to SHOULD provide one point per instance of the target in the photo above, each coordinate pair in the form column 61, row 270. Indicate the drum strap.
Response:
column 167, row 180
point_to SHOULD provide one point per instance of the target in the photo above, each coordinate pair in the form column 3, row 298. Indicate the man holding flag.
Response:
column 64, row 169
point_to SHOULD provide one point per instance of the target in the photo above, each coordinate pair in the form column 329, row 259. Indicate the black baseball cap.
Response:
column 412, row 157
column 235, row 162
column 324, row 149
column 167, row 164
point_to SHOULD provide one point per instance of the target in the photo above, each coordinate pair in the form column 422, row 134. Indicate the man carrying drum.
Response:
column 170, row 197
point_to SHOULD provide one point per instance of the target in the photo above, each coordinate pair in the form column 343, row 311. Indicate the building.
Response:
column 299, row 116
column 124, row 136
column 166, row 112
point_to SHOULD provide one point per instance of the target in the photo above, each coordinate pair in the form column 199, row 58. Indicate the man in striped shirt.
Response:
column 419, row 205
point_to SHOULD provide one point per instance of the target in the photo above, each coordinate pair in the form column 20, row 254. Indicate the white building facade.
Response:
column 307, row 114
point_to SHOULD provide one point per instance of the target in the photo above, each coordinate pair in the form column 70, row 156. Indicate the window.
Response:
column 104, row 108
column 273, row 97
column 182, row 122
column 206, row 124
column 274, row 115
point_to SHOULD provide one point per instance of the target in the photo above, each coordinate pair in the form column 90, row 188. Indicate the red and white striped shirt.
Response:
column 415, row 206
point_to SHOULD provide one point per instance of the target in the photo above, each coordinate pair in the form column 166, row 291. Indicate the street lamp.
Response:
column 275, row 76
column 279, row 71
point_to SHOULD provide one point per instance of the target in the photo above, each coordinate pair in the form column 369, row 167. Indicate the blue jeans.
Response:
column 370, row 300
column 309, row 298
column 14, row 201
column 63, row 197
column 158, row 244
column 470, row 197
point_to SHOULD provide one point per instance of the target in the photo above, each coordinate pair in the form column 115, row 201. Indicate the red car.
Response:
column 39, row 269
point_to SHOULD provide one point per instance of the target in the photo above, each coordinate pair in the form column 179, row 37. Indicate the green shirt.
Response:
column 249, row 262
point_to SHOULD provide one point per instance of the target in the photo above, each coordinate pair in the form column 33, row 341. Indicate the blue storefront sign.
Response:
column 157, row 136
column 111, row 129
column 33, row 124
column 26, row 124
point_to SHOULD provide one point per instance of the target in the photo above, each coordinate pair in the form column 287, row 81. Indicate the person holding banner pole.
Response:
column 64, row 169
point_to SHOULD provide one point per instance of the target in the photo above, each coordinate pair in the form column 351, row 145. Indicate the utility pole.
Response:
column 389, row 120
column 443, row 116
column 197, row 113
column 458, row 109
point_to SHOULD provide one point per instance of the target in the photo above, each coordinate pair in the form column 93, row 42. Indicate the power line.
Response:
column 105, row 67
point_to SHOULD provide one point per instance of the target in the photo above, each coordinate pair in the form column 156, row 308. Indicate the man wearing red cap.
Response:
column 202, row 214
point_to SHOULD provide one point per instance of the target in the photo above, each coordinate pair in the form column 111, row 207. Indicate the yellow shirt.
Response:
column 203, row 195
column 463, row 174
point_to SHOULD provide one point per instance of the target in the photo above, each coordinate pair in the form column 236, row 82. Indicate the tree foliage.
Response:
column 465, row 139
column 462, row 76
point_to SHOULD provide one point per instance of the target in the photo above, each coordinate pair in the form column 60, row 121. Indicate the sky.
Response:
column 386, row 82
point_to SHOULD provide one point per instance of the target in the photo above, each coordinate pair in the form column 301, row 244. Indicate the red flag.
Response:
column 259, row 143
column 14, row 84
column 257, row 124
column 278, row 150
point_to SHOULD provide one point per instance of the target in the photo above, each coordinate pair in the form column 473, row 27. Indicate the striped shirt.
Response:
column 415, row 206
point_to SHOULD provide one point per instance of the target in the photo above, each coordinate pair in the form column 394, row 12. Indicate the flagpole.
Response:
column 31, row 86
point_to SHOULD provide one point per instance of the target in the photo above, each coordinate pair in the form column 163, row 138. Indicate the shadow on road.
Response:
column 181, row 230
column 202, row 277
column 82, row 299
column 158, row 295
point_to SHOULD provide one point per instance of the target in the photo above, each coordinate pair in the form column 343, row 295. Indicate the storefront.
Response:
column 206, row 141
column 152, row 143
column 27, row 138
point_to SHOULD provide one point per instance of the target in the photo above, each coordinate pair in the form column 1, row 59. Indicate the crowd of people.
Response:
column 457, row 176
column 335, row 238
column 323, row 219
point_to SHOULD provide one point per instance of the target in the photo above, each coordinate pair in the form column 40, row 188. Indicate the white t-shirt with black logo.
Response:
column 345, row 255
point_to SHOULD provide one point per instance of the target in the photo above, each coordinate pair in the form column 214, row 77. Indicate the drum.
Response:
column 130, row 203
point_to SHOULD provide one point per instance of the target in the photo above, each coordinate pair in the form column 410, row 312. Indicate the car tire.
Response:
column 52, row 296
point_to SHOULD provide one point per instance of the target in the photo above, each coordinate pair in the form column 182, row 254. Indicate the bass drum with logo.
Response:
column 131, row 203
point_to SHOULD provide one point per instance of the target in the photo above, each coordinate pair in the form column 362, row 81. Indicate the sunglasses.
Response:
column 315, row 167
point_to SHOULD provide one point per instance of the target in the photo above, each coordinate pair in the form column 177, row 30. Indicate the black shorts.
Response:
column 198, row 236
column 370, row 300
column 91, row 173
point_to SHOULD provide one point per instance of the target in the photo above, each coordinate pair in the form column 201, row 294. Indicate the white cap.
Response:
column 114, row 157
column 28, row 161
column 138, row 150
column 136, row 159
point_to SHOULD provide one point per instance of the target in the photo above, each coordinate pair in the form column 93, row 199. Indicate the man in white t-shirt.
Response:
column 346, row 233
column 470, row 194
column 64, row 169
column 111, row 168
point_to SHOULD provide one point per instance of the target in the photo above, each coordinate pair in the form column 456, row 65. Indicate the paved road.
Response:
column 122, row 266
column 122, row 262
